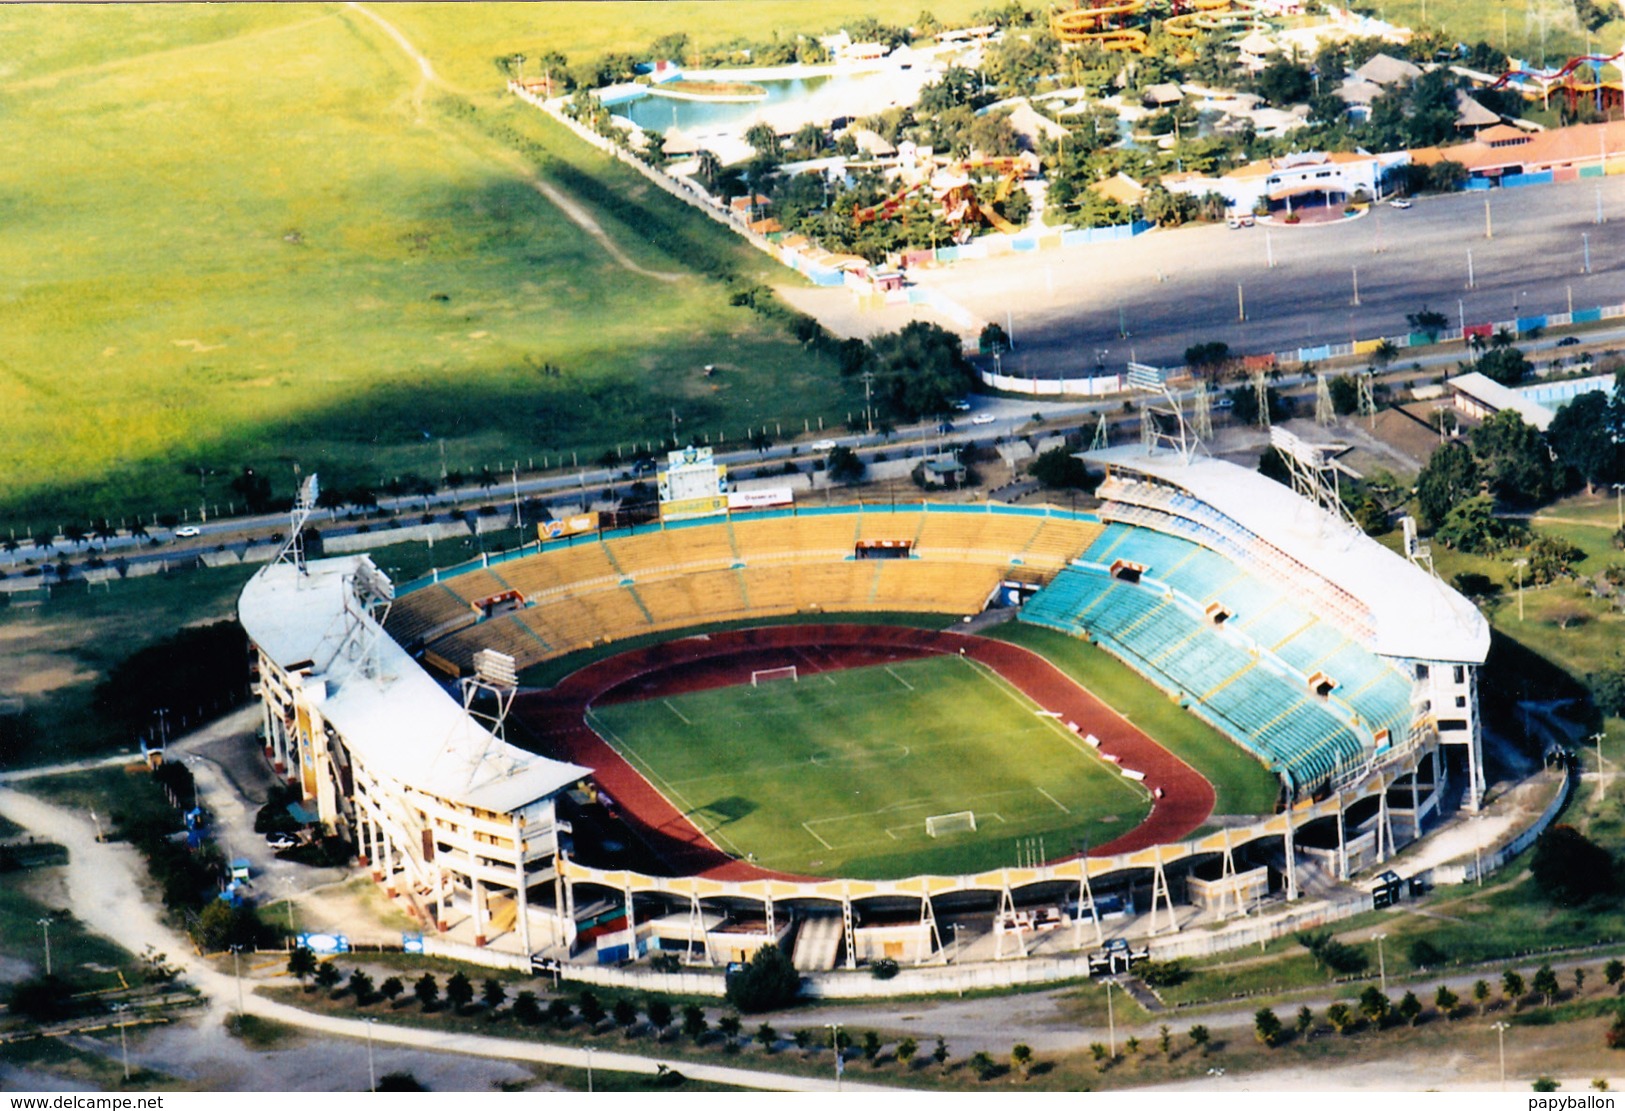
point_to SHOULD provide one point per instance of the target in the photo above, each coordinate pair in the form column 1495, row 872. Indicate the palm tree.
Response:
column 709, row 170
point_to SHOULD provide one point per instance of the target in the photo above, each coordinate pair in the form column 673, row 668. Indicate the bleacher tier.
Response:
column 1250, row 678
column 631, row 582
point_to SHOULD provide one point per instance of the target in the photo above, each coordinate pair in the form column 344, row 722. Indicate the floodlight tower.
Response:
column 1314, row 472
column 1202, row 410
column 1325, row 413
column 1367, row 397
column 304, row 506
column 1261, row 390
column 496, row 675
column 1161, row 425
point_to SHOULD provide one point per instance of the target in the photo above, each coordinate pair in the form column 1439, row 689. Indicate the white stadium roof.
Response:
column 399, row 723
column 1416, row 616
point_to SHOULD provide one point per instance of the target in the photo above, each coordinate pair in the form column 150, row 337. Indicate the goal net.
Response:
column 962, row 822
column 774, row 674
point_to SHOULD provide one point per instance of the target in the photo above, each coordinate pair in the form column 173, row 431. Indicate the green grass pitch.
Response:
column 836, row 773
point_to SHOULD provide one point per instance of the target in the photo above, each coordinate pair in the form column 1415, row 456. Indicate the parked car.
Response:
column 280, row 841
column 186, row 532
column 961, row 406
column 824, row 445
column 1399, row 202
column 983, row 418
column 1568, row 341
column 1240, row 220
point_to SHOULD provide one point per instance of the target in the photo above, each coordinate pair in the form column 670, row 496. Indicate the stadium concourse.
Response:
column 1345, row 669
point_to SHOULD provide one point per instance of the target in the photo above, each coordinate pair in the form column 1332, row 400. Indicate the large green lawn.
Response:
column 246, row 236
column 835, row 774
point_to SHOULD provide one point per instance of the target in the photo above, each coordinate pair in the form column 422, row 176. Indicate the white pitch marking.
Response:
column 899, row 678
column 1053, row 799
column 667, row 703
column 817, row 838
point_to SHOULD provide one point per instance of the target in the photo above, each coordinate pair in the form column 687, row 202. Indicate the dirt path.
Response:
column 566, row 204
column 105, row 887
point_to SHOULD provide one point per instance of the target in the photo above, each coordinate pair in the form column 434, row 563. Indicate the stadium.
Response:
column 930, row 733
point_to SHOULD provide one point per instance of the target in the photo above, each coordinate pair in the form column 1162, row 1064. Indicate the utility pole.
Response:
column 1111, row 1022
column 123, row 1044
column 1500, row 1028
column 1356, row 270
column 1241, row 305
column 45, row 925
column 1489, row 228
column 1602, row 781
column 372, row 1076
column 868, row 410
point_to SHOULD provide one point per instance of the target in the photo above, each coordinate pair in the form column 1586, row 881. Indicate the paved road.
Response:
column 1177, row 287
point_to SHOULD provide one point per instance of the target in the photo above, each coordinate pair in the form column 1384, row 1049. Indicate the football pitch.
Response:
column 836, row 772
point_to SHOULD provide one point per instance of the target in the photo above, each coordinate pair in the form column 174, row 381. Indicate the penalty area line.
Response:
column 900, row 679
column 666, row 702
column 815, row 836
column 1053, row 799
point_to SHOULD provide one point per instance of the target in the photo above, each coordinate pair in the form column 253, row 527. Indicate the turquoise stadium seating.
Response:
column 1254, row 692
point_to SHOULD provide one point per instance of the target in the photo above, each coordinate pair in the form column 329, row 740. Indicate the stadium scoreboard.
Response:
column 692, row 484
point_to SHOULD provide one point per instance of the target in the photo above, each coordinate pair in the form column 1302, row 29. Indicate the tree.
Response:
column 1342, row 1017
column 459, row 991
column 1374, row 1006
column 905, row 1051
column 1506, row 365
column 1021, row 1059
column 1614, row 972
column 993, row 340
column 1512, row 987
column 1409, row 1009
column 301, row 964
column 1545, row 983
column 400, row 1082
column 625, row 1013
column 1481, row 994
column 1446, row 1001
column 729, row 1026
column 844, row 466
column 1579, row 980
column 493, row 994
column 767, row 1037
column 920, row 370
column 694, row 1024
column 1284, row 82
column 804, row 1038
column 769, row 982
column 1450, row 476
column 526, row 1008
column 660, row 1016
column 1429, row 322
column 558, row 1011
column 764, row 141
column 361, row 987
column 1570, row 868
column 42, row 998
column 1267, row 1027
column 328, row 975
column 1472, row 526
column 1210, row 357
column 1304, row 1022
column 871, row 1046
column 1582, row 434
column 1545, row 1084
column 983, row 1065
column 391, row 988
column 1514, row 460
column 590, row 1009
column 1059, row 469
column 427, row 991
column 1165, row 1040
column 1200, row 1037
column 939, row 1053
column 1133, row 1046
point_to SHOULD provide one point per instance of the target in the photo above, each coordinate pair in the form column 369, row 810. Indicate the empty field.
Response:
column 836, row 773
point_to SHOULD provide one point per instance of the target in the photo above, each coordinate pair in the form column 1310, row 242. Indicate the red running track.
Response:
column 557, row 719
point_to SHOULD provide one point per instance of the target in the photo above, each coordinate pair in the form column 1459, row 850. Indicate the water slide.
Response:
column 1549, row 77
column 1101, row 25
column 1209, row 15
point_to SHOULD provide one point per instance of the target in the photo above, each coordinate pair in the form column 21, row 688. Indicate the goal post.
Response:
column 774, row 674
column 963, row 821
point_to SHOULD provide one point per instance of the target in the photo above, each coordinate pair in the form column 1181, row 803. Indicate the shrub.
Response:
column 769, row 982
column 883, row 969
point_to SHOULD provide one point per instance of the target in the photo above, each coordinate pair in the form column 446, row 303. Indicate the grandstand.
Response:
column 603, row 588
column 1314, row 647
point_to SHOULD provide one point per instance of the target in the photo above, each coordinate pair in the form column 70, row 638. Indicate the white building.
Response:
column 456, row 824
column 1294, row 179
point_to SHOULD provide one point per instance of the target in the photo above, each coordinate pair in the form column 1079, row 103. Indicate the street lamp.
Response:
column 1382, row 965
column 589, row 1070
column 834, row 1029
column 124, row 1046
column 1500, row 1029
column 45, row 927
column 372, row 1076
column 1602, row 781
column 1619, row 506
column 237, row 970
column 1520, row 564
column 1111, row 1022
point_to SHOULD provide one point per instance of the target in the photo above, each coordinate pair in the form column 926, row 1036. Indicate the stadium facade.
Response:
column 1345, row 668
